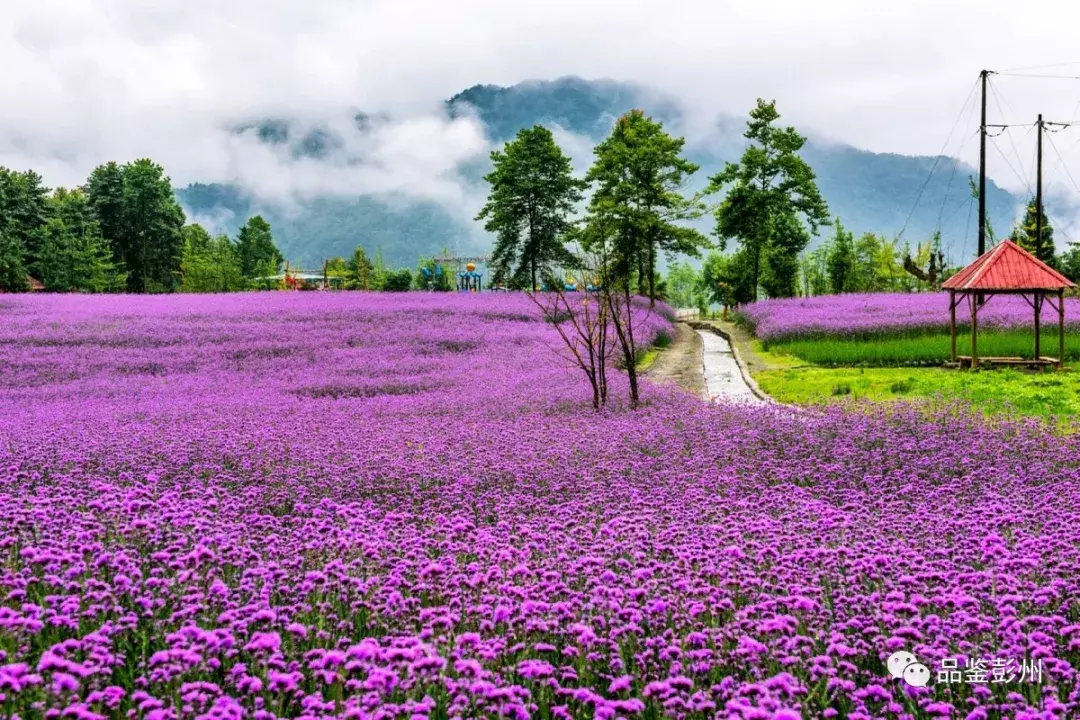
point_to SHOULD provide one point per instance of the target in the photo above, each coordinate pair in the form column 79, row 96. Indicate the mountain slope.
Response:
column 868, row 191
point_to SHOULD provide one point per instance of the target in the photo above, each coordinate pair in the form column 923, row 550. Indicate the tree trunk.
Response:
column 652, row 275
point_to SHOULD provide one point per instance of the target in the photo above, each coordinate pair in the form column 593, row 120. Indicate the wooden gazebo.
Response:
column 1007, row 269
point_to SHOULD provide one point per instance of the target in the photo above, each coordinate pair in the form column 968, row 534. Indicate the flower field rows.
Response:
column 341, row 505
column 857, row 316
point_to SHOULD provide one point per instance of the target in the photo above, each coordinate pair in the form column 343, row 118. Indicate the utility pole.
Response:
column 982, row 167
column 1038, row 192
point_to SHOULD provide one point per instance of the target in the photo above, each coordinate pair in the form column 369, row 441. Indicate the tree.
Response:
column 640, row 176
column 430, row 275
column 73, row 255
column 771, row 192
column 138, row 215
column 1025, row 234
column 726, row 278
column 1070, row 262
column 105, row 192
column 398, row 280
column 780, row 274
column 533, row 193
column 359, row 271
column 209, row 264
column 814, row 270
column 259, row 256
column 841, row 260
column 584, row 327
column 683, row 286
column 13, row 276
column 23, row 214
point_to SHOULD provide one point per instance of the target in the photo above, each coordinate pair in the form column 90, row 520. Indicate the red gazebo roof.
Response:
column 1007, row 266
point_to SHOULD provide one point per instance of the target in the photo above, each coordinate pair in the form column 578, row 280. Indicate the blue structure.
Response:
column 431, row 277
column 469, row 280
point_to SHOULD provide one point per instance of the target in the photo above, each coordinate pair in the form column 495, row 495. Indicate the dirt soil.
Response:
column 681, row 362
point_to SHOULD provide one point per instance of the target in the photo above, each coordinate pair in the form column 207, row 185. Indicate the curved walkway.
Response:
column 702, row 361
column 724, row 380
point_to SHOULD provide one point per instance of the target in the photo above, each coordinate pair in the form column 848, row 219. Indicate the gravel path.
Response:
column 681, row 362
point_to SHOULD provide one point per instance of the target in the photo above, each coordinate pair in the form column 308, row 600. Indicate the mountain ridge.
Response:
column 869, row 191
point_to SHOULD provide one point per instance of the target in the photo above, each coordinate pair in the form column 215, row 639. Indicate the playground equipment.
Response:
column 470, row 280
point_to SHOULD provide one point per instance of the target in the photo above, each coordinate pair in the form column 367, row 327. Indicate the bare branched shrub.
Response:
column 584, row 324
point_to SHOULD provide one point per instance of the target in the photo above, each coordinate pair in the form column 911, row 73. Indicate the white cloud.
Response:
column 87, row 81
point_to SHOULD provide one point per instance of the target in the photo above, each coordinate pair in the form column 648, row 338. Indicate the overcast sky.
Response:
column 86, row 81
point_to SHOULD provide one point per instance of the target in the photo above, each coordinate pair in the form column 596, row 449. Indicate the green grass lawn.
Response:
column 932, row 349
column 1005, row 390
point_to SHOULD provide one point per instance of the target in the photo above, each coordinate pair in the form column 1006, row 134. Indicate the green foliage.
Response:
column 255, row 248
column 1070, row 262
column 533, row 193
column 684, row 286
column 138, row 215
column 1026, row 235
column 209, row 264
column 841, row 260
column 814, row 270
column 13, row 276
column 637, row 205
column 1001, row 390
column 73, row 255
column 397, row 280
column 360, row 272
column 771, row 193
column 23, row 214
column 435, row 278
column 726, row 279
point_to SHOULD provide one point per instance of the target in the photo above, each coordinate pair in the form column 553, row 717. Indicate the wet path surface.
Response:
column 723, row 380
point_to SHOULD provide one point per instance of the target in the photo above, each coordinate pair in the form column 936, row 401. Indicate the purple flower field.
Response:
column 378, row 506
column 840, row 316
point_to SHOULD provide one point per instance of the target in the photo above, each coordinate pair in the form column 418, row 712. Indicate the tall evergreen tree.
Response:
column 105, row 192
column 1025, row 234
column 360, row 271
column 259, row 256
column 209, row 264
column 639, row 176
column 13, row 276
column 23, row 213
column 841, row 260
column 770, row 192
column 73, row 255
column 533, row 192
column 139, row 216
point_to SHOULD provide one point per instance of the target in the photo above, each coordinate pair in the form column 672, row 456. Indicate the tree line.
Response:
column 124, row 231
column 638, row 206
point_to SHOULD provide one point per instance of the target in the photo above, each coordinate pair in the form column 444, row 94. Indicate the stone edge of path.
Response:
column 743, row 370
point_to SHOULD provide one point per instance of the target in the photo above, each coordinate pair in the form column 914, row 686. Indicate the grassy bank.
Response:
column 1042, row 394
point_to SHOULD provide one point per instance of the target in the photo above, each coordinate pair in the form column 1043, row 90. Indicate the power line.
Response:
column 1034, row 75
column 1040, row 67
column 956, row 162
column 997, row 101
column 1061, row 161
column 1005, row 157
column 937, row 159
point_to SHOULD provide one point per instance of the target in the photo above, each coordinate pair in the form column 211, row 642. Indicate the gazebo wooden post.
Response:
column 952, row 323
column 973, row 299
column 1061, row 329
column 1037, row 297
